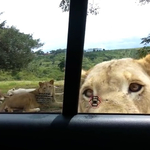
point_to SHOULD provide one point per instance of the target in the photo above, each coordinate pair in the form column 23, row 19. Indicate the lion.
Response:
column 20, row 90
column 2, row 97
column 116, row 86
column 28, row 101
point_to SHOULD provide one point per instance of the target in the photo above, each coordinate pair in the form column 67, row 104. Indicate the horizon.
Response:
column 93, row 48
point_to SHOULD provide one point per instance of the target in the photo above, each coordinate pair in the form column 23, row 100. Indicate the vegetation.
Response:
column 16, row 48
column 19, row 62
column 7, row 85
column 93, row 8
column 47, row 66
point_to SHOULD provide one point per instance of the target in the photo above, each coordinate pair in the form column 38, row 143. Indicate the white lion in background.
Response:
column 20, row 90
column 23, row 90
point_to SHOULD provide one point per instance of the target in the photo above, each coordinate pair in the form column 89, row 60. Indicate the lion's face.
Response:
column 123, row 86
column 46, row 87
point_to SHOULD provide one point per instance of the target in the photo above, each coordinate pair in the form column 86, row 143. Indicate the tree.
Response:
column 39, row 52
column 146, row 49
column 91, row 56
column 146, row 40
column 16, row 48
column 93, row 8
column 2, row 25
column 144, row 1
column 142, row 52
column 61, row 65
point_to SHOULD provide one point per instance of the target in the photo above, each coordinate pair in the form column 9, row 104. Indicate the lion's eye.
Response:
column 135, row 87
column 88, row 93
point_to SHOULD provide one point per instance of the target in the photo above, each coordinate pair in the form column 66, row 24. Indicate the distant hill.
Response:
column 45, row 66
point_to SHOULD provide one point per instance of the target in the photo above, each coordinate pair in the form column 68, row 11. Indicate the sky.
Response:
column 119, row 24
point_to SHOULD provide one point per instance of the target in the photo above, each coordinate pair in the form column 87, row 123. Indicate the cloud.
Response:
column 119, row 23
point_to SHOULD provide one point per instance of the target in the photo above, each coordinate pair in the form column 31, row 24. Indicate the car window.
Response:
column 33, row 41
column 33, row 56
column 115, row 78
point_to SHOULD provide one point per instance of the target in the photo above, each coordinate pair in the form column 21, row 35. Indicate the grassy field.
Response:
column 7, row 85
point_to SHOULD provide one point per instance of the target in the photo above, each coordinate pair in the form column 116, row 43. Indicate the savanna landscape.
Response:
column 23, row 63
column 47, row 66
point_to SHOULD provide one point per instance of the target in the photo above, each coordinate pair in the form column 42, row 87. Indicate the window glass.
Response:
column 117, row 38
column 33, row 39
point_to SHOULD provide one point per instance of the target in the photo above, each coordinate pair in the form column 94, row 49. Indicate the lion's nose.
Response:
column 95, row 101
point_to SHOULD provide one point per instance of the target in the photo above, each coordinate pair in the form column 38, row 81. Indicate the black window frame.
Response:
column 70, row 129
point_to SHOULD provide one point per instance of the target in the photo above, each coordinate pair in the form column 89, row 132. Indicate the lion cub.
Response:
column 116, row 86
column 27, row 101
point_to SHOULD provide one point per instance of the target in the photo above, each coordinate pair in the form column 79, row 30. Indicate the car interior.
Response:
column 69, row 129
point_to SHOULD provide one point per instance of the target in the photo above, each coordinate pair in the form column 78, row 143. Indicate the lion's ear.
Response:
column 51, row 82
column 83, row 73
column 41, row 84
column 83, row 76
column 145, row 62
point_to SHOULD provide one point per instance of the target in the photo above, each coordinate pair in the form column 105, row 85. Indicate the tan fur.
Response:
column 27, row 101
column 110, row 81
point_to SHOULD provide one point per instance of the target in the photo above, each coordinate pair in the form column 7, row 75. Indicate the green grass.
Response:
column 7, row 85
